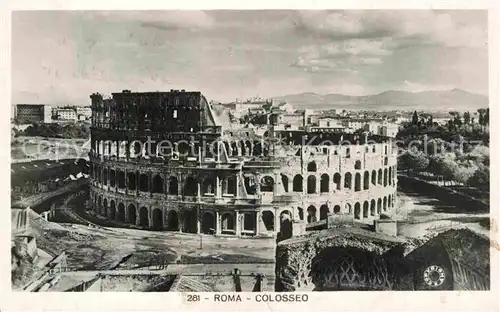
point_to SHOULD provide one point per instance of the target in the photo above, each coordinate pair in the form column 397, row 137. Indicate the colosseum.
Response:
column 163, row 161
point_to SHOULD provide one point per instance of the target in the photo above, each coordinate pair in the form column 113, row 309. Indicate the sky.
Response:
column 61, row 57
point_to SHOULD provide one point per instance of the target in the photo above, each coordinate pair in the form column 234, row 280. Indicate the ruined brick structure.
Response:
column 162, row 160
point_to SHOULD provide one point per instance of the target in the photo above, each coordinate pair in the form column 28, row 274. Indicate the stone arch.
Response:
column 172, row 220
column 112, row 210
column 284, row 181
column 267, row 184
column 336, row 209
column 311, row 167
column 208, row 186
column 143, row 217
column 131, row 183
column 348, row 208
column 121, row 212
column 357, row 165
column 228, row 223
column 323, row 212
column 286, row 229
column 311, row 184
column 357, row 211
column 248, row 147
column 390, row 176
column 208, row 223
column 234, row 148
column 366, row 180
column 105, row 176
column 324, row 183
column 385, row 203
column 373, row 207
column 132, row 214
column 143, row 182
column 248, row 221
column 357, row 182
column 190, row 187
column 158, row 184
column 374, row 177
column 348, row 181
column 380, row 177
column 379, row 206
column 385, row 177
column 366, row 207
column 99, row 204
column 311, row 214
column 298, row 183
column 268, row 220
column 337, row 180
column 243, row 150
column 157, row 219
column 104, row 211
column 173, row 186
column 389, row 201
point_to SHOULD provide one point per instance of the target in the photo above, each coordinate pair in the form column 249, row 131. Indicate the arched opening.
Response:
column 249, row 221
column 298, row 183
column 366, row 180
column 172, row 220
column 190, row 187
column 131, row 180
column 143, row 182
column 157, row 184
column 267, row 184
column 325, row 183
column 379, row 176
column 189, row 221
column 337, row 181
column 284, row 181
column 157, row 219
column 336, row 209
column 208, row 186
column 173, row 186
column 99, row 205
column 379, row 206
column 323, row 212
column 208, row 223
column 385, row 204
column 226, row 147
column 229, row 185
column 357, row 165
column 105, row 176
column 366, row 207
column 348, row 208
column 257, row 148
column 372, row 207
column 286, row 229
column 121, row 212
column 357, row 182
column 228, row 223
column 311, row 214
column 385, row 177
column 132, row 216
column 121, row 179
column 311, row 167
column 348, row 181
column 357, row 211
column 250, row 185
column 374, row 177
column 243, row 150
column 112, row 210
column 248, row 147
column 390, row 176
column 311, row 184
column 234, row 149
column 105, row 208
column 112, row 178
column 268, row 220
column 143, row 217
column 389, row 205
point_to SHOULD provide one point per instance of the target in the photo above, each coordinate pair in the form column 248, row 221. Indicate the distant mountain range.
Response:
column 455, row 99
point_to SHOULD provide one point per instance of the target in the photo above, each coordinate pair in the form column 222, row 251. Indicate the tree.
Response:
column 414, row 118
column 466, row 118
column 480, row 178
column 413, row 160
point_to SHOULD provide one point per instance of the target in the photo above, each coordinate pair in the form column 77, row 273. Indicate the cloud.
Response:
column 431, row 27
column 342, row 55
column 163, row 20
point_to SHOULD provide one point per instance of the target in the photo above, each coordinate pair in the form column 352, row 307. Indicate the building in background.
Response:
column 84, row 112
column 66, row 114
column 32, row 113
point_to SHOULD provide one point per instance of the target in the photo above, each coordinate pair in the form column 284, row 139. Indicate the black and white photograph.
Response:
column 238, row 151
